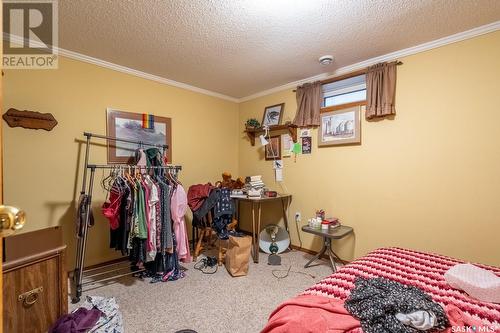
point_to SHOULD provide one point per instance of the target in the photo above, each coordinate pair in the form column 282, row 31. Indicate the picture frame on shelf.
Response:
column 131, row 126
column 340, row 127
column 273, row 115
column 273, row 148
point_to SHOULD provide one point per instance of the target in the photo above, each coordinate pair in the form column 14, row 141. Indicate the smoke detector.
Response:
column 325, row 60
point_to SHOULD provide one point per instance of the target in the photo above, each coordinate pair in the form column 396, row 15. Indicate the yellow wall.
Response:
column 42, row 169
column 427, row 180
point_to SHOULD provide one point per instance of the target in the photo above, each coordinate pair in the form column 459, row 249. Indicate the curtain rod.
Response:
column 92, row 135
column 355, row 73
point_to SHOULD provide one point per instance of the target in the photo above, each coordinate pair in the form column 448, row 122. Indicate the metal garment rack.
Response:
column 79, row 271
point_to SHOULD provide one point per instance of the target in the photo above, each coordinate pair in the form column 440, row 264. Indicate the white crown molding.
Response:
column 126, row 70
column 144, row 75
column 484, row 29
column 340, row 71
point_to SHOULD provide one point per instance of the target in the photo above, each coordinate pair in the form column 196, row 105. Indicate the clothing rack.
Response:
column 79, row 271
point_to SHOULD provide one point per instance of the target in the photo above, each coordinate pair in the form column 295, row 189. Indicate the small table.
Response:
column 256, row 203
column 328, row 235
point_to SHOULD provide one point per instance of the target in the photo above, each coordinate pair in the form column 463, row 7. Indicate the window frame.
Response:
column 324, row 109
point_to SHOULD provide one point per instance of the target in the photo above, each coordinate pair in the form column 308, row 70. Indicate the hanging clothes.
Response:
column 223, row 213
column 197, row 195
column 219, row 201
column 152, row 218
column 154, row 158
column 166, row 242
column 146, row 217
column 178, row 209
column 111, row 208
column 142, row 231
column 119, row 236
column 80, row 214
column 141, row 159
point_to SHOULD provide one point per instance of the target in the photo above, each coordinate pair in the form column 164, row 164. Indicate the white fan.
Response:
column 282, row 239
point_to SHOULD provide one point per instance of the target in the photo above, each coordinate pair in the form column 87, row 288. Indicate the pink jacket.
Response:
column 178, row 207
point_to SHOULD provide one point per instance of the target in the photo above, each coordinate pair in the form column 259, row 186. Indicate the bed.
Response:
column 420, row 269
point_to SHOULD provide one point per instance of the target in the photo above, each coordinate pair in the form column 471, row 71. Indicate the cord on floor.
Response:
column 205, row 263
column 285, row 189
column 288, row 271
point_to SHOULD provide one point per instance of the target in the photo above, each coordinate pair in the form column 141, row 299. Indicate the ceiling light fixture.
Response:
column 325, row 60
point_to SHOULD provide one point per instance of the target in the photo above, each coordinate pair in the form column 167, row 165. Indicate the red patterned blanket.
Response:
column 419, row 269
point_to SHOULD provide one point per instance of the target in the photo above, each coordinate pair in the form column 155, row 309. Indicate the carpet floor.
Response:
column 211, row 303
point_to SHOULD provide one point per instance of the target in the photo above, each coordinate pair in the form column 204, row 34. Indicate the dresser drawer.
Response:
column 32, row 295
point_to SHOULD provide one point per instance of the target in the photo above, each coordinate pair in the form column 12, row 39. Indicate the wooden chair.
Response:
column 205, row 236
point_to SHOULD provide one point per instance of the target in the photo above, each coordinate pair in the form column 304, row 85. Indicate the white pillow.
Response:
column 479, row 283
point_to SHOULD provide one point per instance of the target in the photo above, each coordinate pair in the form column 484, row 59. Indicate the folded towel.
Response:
column 479, row 283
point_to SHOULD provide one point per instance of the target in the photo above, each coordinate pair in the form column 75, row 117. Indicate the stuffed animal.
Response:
column 228, row 182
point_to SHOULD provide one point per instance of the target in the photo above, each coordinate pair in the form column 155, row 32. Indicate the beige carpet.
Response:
column 210, row 303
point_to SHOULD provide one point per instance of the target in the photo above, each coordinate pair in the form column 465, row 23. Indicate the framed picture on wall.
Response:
column 273, row 149
column 340, row 127
column 306, row 145
column 136, row 127
column 273, row 114
column 286, row 145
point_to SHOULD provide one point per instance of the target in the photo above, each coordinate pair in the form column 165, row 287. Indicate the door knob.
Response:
column 11, row 219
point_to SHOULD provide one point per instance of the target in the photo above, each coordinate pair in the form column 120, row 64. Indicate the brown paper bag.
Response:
column 238, row 255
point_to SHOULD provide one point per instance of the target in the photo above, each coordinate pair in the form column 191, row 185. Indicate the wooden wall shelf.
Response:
column 253, row 132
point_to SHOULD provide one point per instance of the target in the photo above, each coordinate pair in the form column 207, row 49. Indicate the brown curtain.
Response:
column 308, row 104
column 380, row 90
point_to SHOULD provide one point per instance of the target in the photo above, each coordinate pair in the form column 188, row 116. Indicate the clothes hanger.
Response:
column 127, row 174
column 120, row 179
column 129, row 177
column 172, row 177
column 175, row 173
column 114, row 181
column 105, row 182
column 169, row 177
column 137, row 171
column 122, row 171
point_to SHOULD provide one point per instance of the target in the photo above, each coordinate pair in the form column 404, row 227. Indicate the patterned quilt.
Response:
column 419, row 269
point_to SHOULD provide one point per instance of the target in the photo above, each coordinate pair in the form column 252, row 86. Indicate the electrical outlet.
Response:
column 298, row 217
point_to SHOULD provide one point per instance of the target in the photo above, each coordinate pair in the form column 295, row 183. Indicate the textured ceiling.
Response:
column 240, row 47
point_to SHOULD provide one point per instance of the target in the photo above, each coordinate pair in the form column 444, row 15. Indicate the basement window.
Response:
column 345, row 91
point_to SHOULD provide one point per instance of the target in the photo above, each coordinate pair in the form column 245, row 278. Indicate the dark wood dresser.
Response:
column 34, row 281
